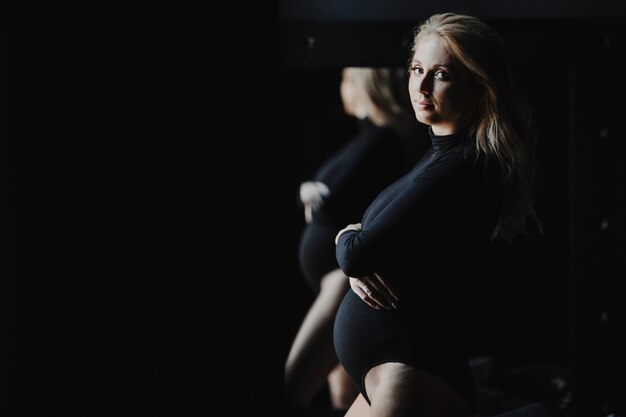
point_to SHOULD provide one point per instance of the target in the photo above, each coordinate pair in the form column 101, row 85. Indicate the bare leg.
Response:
column 312, row 355
column 359, row 408
column 399, row 390
column 342, row 389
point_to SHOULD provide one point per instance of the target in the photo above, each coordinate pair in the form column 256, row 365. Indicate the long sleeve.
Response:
column 424, row 216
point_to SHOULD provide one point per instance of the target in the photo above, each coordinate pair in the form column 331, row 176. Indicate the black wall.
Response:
column 106, row 181
column 380, row 10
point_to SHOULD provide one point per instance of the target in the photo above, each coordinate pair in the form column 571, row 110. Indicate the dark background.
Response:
column 110, row 212
column 555, row 307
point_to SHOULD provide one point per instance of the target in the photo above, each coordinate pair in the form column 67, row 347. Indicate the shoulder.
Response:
column 458, row 164
column 380, row 139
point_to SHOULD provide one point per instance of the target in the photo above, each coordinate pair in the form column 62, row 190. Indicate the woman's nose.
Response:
column 425, row 85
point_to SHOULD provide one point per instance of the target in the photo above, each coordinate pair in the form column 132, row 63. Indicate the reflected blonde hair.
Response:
column 386, row 91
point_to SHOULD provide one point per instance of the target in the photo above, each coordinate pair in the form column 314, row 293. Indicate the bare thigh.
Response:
column 342, row 389
column 400, row 390
column 359, row 408
column 312, row 353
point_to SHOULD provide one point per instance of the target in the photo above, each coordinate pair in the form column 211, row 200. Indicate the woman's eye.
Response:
column 417, row 70
column 442, row 75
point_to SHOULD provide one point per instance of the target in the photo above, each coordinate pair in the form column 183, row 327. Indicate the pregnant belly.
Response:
column 317, row 252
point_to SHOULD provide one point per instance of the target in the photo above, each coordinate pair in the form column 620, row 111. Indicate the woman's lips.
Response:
column 425, row 105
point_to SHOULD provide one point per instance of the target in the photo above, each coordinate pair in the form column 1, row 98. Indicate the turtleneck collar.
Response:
column 365, row 123
column 445, row 141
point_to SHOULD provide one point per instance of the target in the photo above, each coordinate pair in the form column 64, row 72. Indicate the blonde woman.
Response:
column 424, row 242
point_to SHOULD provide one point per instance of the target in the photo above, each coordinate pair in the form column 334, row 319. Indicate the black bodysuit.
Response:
column 355, row 175
column 428, row 233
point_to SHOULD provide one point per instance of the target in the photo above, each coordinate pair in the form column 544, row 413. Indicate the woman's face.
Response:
column 442, row 92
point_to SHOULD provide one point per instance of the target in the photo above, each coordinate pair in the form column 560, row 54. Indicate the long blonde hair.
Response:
column 503, row 130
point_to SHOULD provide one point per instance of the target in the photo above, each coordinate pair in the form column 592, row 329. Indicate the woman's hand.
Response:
column 354, row 226
column 312, row 194
column 375, row 291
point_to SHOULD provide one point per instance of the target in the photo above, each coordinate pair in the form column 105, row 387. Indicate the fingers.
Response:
column 313, row 192
column 373, row 294
column 364, row 295
column 380, row 295
column 355, row 226
column 386, row 287
column 306, row 192
column 322, row 189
